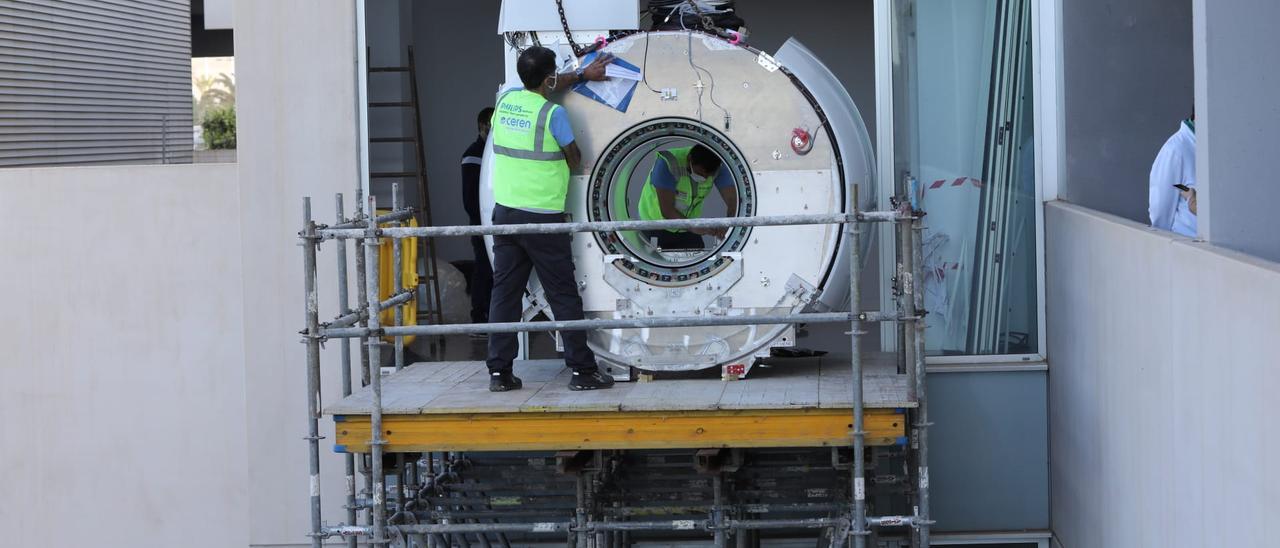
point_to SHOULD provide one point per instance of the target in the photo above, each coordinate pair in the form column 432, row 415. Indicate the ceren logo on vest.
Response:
column 511, row 122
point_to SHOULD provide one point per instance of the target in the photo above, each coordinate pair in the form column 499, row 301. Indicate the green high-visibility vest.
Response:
column 529, row 169
column 689, row 200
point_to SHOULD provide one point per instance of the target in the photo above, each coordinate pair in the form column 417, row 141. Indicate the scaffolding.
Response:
column 584, row 526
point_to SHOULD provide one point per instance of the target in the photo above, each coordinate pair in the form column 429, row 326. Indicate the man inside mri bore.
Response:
column 678, row 187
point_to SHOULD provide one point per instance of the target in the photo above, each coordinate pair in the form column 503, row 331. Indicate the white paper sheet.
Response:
column 618, row 71
column 614, row 90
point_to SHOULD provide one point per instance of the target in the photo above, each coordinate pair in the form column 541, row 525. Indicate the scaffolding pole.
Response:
column 312, row 313
column 374, row 365
column 397, row 318
column 362, row 302
column 344, row 306
column 614, row 226
column 584, row 325
column 859, row 528
column 922, row 396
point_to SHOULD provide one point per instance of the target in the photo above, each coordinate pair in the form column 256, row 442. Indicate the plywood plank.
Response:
column 407, row 390
column 689, row 394
column 794, row 383
column 783, row 384
column 472, row 395
column 881, row 386
column 556, row 396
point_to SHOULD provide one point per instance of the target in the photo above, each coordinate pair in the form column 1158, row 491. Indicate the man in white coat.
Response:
column 1172, row 192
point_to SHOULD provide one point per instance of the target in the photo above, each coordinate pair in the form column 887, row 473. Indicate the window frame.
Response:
column 1046, row 72
column 1039, row 538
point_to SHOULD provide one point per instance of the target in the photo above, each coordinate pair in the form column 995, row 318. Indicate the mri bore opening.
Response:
column 647, row 165
column 627, row 187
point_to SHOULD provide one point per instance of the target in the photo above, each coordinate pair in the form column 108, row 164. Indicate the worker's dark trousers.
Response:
column 552, row 257
column 676, row 240
column 481, row 281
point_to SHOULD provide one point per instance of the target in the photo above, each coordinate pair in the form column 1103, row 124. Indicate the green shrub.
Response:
column 219, row 126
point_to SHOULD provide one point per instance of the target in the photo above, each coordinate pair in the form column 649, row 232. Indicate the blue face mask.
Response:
column 697, row 178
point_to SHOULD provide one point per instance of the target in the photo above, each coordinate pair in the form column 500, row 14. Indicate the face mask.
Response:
column 697, row 178
column 555, row 81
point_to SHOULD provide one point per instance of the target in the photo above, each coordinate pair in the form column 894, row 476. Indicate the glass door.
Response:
column 963, row 144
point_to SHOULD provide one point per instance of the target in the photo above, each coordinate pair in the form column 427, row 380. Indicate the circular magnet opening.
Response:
column 617, row 190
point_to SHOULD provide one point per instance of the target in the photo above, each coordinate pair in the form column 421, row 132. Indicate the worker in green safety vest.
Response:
column 678, row 187
column 533, row 153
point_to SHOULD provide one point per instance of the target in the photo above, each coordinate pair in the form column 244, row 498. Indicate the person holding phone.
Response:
column 1172, row 185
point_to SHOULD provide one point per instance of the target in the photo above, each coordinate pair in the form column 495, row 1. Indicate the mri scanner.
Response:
column 794, row 142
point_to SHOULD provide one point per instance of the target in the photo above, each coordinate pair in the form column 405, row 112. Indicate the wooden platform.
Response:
column 446, row 406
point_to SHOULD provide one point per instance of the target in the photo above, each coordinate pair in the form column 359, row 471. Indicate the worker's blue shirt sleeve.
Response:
column 660, row 176
column 723, row 179
column 560, row 128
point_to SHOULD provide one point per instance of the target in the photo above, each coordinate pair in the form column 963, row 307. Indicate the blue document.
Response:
column 618, row 90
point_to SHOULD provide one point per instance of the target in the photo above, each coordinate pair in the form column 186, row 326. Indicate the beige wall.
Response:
column 296, row 85
column 122, row 387
column 156, row 374
column 1163, row 384
column 147, row 420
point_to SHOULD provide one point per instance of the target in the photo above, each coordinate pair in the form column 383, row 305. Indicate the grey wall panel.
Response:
column 989, row 461
column 1162, row 388
column 95, row 82
column 1239, row 75
column 1128, row 77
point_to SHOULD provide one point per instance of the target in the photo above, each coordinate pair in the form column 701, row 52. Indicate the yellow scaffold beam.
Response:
column 619, row 430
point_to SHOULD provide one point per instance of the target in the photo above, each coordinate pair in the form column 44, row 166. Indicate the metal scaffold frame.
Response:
column 364, row 323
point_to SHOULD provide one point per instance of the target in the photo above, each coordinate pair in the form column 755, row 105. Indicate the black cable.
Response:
column 644, row 67
column 689, row 50
column 513, row 40
column 692, row 13
column 711, row 92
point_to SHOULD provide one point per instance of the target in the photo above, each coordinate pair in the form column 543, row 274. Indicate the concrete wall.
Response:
column 1127, row 68
column 1162, row 389
column 1237, row 77
column 297, row 136
column 123, row 389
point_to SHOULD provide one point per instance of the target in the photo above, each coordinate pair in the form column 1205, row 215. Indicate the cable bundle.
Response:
column 689, row 14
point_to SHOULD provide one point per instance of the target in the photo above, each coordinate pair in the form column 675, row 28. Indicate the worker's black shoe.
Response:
column 504, row 382
column 590, row 380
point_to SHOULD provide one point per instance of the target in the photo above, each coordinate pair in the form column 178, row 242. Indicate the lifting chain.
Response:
column 577, row 51
column 707, row 23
